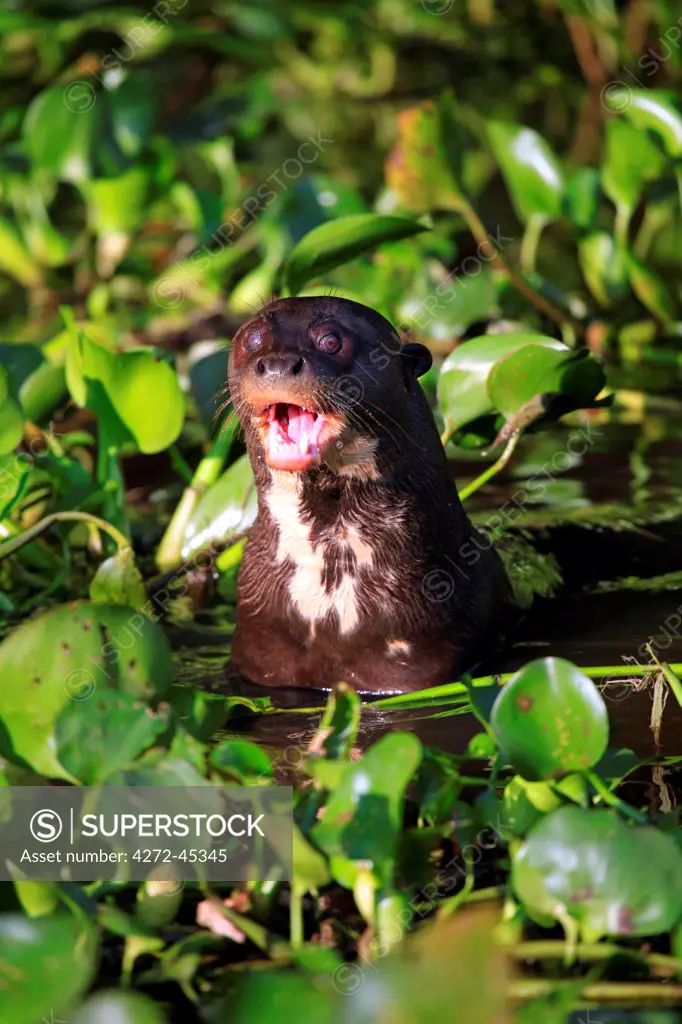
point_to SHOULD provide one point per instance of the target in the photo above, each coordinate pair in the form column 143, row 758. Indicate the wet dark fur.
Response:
column 419, row 590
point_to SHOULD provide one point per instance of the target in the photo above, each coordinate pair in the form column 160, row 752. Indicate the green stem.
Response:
column 478, row 230
column 12, row 545
column 639, row 993
column 169, row 554
column 555, row 949
column 493, row 470
column 612, row 800
column 296, row 918
column 621, row 227
column 530, row 242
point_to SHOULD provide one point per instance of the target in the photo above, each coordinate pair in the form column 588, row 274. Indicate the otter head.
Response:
column 322, row 380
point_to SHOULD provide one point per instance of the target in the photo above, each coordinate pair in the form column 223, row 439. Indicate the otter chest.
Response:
column 330, row 565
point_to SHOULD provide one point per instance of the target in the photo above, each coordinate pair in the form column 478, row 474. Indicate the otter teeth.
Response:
column 293, row 428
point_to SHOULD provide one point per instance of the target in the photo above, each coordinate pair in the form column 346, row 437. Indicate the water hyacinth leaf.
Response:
column 311, row 871
column 651, row 291
column 226, row 509
column 131, row 106
column 550, row 720
column 630, row 161
column 48, row 962
column 106, row 732
column 67, row 654
column 363, row 817
column 11, row 416
column 604, row 264
column 504, row 373
column 15, row 259
column 580, row 862
column 119, row 385
column 59, row 130
column 655, row 111
column 119, row 1007
column 422, row 169
column 581, row 196
column 530, row 169
column 535, row 370
column 119, row 581
column 242, row 759
column 42, row 391
column 339, row 241
column 338, row 726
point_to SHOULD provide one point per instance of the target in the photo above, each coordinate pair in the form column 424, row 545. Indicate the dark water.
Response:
column 612, row 511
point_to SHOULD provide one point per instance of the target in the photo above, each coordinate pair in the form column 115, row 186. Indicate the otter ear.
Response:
column 417, row 358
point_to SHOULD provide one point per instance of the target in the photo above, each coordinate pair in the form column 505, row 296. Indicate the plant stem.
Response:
column 296, row 918
column 621, row 226
column 669, row 674
column 207, row 472
column 493, row 470
column 478, row 230
column 612, row 800
column 553, row 949
column 12, row 545
column 639, row 993
column 530, row 242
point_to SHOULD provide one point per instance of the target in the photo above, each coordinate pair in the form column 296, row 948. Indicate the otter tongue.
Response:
column 304, row 428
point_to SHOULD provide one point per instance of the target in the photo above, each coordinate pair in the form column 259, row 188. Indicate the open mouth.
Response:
column 296, row 438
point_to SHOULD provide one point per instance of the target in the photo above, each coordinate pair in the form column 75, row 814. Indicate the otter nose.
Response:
column 279, row 364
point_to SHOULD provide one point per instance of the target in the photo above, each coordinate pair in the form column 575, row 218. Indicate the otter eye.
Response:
column 252, row 341
column 329, row 343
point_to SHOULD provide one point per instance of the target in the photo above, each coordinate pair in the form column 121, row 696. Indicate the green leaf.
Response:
column 241, row 759
column 228, row 508
column 363, row 817
column 424, row 167
column 67, row 654
column 651, row 291
column 604, row 264
column 121, row 1007
column 530, row 168
column 611, row 877
column 11, row 416
column 339, row 241
column 47, row 963
column 550, row 720
column 132, row 105
column 338, row 728
column 59, row 129
column 105, row 733
column 119, row 581
column 630, row 161
column 138, row 391
column 117, row 204
column 581, row 197
column 15, row 259
column 309, row 865
column 655, row 111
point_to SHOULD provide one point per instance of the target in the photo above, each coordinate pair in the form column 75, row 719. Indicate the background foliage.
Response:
column 503, row 172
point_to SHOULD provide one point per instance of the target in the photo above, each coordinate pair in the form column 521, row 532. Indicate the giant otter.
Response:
column 353, row 570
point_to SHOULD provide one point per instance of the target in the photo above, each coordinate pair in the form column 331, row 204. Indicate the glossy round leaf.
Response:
column 530, row 169
column 68, row 654
column 364, row 813
column 341, row 240
column 613, row 878
column 655, row 111
column 550, row 720
column 47, row 963
column 463, row 385
column 119, row 1007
